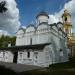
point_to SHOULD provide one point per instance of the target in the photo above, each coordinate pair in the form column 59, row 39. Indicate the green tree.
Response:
column 4, row 40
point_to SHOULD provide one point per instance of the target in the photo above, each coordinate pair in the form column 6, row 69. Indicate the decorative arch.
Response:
column 30, row 28
column 59, row 24
column 20, row 32
column 54, row 26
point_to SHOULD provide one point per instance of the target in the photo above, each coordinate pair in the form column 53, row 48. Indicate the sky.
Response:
column 30, row 8
column 21, row 13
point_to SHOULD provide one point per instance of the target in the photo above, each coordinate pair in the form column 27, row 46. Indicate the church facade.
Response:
column 41, row 44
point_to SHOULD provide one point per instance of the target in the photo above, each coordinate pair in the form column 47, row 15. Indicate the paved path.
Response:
column 19, row 67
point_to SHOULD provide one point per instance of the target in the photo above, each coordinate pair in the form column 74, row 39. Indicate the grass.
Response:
column 64, row 65
column 54, row 72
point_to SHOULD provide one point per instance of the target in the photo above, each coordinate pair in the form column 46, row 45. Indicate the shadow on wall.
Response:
column 54, row 48
column 64, row 49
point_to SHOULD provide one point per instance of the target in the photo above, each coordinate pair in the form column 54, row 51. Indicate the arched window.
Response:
column 65, row 18
column 36, row 54
column 61, row 52
column 21, row 54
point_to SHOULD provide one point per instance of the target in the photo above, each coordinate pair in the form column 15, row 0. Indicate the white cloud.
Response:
column 24, row 27
column 53, row 19
column 9, row 20
column 70, row 7
column 2, row 32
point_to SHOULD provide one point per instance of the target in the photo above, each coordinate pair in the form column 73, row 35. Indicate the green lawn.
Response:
column 64, row 65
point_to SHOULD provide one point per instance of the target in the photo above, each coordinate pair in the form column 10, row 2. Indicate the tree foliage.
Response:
column 4, row 41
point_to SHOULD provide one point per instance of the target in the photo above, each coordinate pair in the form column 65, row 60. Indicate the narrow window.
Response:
column 36, row 57
column 28, row 54
column 3, row 54
column 30, row 41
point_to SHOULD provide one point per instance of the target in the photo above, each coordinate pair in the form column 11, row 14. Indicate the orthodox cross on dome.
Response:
column 2, row 7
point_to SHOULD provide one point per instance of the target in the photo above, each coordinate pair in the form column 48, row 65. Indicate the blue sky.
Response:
column 27, row 10
column 30, row 8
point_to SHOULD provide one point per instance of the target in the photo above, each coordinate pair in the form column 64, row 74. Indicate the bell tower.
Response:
column 67, row 27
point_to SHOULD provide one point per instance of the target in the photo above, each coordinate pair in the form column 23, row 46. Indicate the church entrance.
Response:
column 15, row 57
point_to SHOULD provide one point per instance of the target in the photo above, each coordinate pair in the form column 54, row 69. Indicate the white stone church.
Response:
column 41, row 44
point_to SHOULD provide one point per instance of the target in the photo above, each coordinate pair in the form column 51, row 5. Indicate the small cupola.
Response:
column 42, row 17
